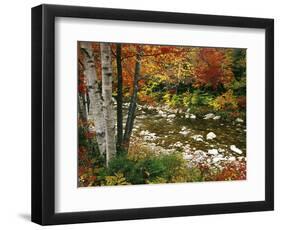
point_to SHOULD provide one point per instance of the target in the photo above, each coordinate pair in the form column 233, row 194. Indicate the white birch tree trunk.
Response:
column 83, row 112
column 107, row 101
column 95, row 108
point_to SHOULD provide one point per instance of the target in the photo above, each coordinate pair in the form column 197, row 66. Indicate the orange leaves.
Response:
column 213, row 67
column 143, row 98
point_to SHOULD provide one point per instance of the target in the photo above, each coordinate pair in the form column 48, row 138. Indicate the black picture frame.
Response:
column 43, row 114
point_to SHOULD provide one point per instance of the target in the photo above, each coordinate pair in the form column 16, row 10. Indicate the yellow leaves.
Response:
column 117, row 179
column 225, row 101
column 157, row 180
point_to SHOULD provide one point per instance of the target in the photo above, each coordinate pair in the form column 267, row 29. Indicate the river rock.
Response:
column 172, row 116
column 211, row 136
column 241, row 158
column 143, row 133
column 235, row 149
column 178, row 144
column 217, row 159
column 239, row 120
column 192, row 116
column 198, row 159
column 200, row 152
column 186, row 148
column 232, row 159
column 162, row 113
column 221, row 150
column 185, row 132
column 197, row 137
column 209, row 116
column 213, row 152
column 187, row 156
column 217, row 117
column 150, row 138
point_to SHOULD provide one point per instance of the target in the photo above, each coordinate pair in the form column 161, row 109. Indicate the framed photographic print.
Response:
column 142, row 114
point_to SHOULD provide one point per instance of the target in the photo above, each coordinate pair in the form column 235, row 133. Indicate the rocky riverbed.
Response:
column 206, row 140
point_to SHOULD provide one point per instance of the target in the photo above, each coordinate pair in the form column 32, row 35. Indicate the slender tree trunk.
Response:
column 83, row 111
column 82, row 107
column 107, row 101
column 119, row 97
column 133, row 104
column 95, row 108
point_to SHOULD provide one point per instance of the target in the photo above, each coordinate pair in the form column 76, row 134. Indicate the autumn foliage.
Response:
column 200, row 80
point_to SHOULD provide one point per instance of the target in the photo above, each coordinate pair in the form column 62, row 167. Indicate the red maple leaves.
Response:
column 213, row 68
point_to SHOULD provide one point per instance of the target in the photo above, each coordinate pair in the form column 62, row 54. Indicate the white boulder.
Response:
column 221, row 150
column 178, row 144
column 160, row 112
column 217, row 117
column 231, row 159
column 192, row 116
column 187, row 156
column 211, row 136
column 184, row 132
column 197, row 137
column 241, row 158
column 143, row 133
column 235, row 149
column 217, row 159
column 200, row 152
column 213, row 152
column 239, row 120
column 209, row 116
column 172, row 116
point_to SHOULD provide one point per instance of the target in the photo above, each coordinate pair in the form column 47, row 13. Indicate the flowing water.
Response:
column 166, row 131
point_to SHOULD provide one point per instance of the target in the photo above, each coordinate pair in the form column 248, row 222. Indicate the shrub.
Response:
column 186, row 99
column 226, row 101
column 175, row 167
column 151, row 169
column 117, row 179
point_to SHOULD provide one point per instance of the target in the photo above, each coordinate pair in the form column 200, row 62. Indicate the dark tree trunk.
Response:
column 133, row 105
column 119, row 97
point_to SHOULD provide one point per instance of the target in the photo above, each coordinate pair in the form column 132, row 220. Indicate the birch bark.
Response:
column 95, row 108
column 107, row 101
